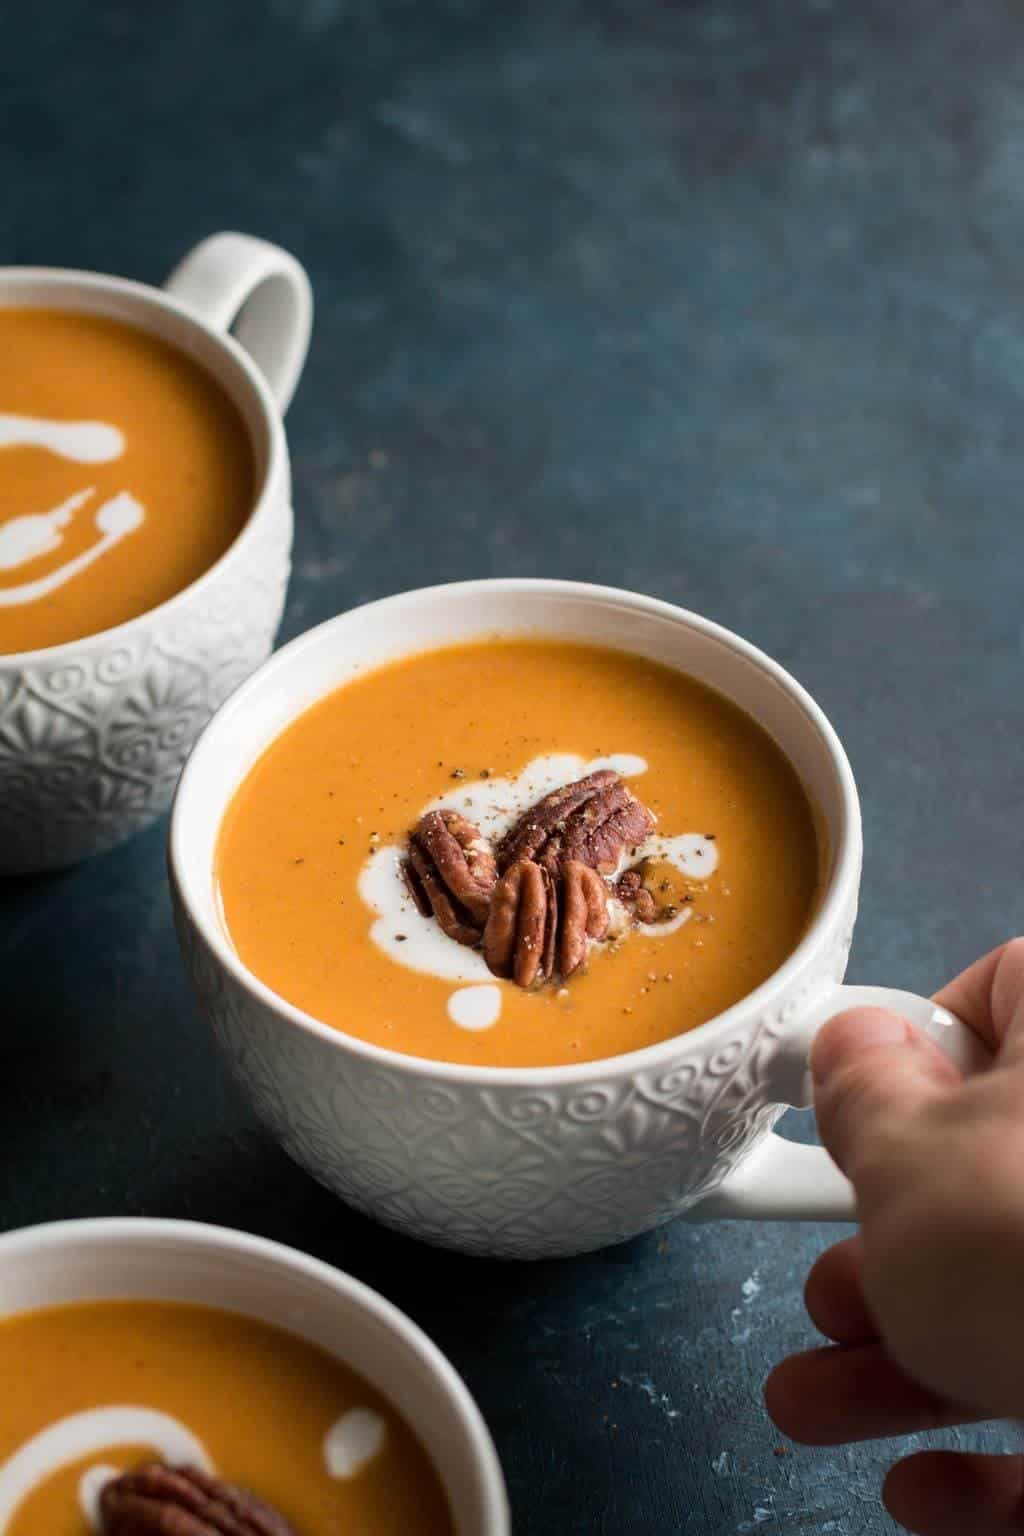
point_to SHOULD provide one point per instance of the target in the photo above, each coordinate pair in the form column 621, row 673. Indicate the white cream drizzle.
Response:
column 353, row 1441
column 83, row 1434
column 349, row 1445
column 90, row 1490
column 115, row 519
column 81, row 442
column 401, row 930
column 693, row 854
column 27, row 538
column 418, row 943
column 475, row 1007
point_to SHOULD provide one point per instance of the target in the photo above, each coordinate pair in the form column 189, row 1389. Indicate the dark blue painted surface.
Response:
column 720, row 302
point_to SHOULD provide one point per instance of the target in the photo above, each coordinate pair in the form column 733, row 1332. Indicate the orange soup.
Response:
column 97, row 1388
column 693, row 801
column 125, row 472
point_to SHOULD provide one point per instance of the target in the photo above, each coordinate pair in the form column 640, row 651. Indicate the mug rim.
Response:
column 112, row 1231
column 146, row 295
column 832, row 908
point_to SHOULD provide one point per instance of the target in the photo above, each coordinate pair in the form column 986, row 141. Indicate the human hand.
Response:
column 926, row 1303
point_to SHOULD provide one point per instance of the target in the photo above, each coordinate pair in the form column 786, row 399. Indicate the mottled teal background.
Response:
column 722, row 302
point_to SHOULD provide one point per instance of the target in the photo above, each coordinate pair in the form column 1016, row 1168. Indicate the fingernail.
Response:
column 861, row 1029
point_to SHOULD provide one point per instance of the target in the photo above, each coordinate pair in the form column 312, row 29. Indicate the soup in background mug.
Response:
column 109, row 1387
column 145, row 528
column 144, row 1347
column 125, row 473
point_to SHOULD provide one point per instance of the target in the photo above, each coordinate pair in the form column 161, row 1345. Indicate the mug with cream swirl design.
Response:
column 156, row 1356
column 145, row 528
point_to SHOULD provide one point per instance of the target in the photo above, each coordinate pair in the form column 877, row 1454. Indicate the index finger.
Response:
column 989, row 997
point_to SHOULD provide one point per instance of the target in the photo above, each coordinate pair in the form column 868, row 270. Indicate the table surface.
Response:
column 720, row 302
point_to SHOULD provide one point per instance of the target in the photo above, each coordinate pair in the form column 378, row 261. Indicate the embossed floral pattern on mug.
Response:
column 82, row 759
column 377, row 1138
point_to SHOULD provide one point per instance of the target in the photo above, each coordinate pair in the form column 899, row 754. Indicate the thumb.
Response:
column 872, row 1071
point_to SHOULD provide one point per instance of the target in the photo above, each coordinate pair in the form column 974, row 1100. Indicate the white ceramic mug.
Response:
column 93, row 732
column 538, row 1161
column 142, row 1259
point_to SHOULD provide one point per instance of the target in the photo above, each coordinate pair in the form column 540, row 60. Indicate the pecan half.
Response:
column 519, row 938
column 156, row 1500
column 450, row 873
column 533, row 829
column 584, row 915
column 592, row 821
column 540, row 922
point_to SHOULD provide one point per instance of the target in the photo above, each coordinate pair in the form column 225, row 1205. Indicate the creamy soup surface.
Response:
column 125, row 472
column 254, row 1405
column 310, row 851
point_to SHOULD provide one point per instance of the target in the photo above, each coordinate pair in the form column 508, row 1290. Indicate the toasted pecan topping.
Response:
column 584, row 915
column 633, row 893
column 593, row 821
column 551, row 899
column 450, row 873
column 533, row 829
column 540, row 922
column 157, row 1500
column 516, row 941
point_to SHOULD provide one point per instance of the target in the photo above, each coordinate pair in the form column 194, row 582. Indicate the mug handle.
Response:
column 231, row 278
column 785, row 1181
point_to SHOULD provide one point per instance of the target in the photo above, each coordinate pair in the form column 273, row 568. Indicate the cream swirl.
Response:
column 86, row 1434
